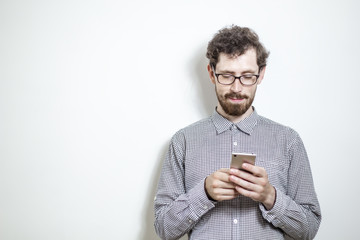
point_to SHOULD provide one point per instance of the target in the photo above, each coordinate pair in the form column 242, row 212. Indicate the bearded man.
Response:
column 200, row 195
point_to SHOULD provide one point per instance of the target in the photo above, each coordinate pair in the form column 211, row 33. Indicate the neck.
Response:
column 234, row 119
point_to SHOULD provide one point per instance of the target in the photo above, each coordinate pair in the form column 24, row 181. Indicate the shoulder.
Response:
column 277, row 129
column 195, row 129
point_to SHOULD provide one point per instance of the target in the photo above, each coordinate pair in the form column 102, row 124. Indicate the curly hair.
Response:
column 235, row 41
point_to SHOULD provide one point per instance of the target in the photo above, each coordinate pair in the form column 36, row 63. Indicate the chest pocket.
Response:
column 276, row 167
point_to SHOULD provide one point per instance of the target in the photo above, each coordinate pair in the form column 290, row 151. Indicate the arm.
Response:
column 297, row 212
column 176, row 210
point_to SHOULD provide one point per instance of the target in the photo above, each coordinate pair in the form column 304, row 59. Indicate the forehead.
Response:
column 238, row 63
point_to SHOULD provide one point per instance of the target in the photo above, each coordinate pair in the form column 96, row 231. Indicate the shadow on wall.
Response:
column 147, row 230
column 204, row 89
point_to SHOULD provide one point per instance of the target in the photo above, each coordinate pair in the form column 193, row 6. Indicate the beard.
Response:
column 232, row 109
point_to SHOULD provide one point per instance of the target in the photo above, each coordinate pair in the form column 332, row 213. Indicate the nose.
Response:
column 236, row 86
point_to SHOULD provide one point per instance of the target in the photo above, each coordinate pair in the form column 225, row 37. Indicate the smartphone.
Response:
column 237, row 159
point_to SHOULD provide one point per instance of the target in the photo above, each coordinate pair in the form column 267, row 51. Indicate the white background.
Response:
column 92, row 91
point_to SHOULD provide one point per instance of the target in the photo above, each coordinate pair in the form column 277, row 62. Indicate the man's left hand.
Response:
column 254, row 184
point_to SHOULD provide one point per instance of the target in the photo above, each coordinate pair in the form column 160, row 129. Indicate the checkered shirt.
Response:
column 182, row 206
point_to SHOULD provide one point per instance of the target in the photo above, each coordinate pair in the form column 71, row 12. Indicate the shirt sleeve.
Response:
column 296, row 212
column 177, row 210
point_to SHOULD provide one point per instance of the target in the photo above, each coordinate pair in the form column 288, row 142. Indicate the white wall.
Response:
column 92, row 91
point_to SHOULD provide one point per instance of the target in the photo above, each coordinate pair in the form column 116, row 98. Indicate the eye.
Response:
column 226, row 76
column 248, row 76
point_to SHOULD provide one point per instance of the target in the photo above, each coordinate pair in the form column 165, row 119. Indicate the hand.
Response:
column 219, row 187
column 254, row 184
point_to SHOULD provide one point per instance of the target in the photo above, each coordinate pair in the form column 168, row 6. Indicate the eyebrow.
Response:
column 233, row 73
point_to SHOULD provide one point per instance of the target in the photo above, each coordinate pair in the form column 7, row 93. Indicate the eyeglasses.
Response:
column 245, row 80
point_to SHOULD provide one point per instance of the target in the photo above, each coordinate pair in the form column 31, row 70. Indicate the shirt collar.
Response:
column 247, row 125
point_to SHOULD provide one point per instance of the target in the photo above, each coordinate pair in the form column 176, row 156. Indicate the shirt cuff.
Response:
column 273, row 215
column 199, row 203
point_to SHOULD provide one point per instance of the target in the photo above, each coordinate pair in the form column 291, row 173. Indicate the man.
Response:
column 200, row 196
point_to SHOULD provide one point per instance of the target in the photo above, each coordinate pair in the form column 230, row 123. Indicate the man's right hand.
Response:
column 218, row 186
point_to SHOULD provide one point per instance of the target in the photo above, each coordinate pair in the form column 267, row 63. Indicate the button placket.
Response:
column 235, row 138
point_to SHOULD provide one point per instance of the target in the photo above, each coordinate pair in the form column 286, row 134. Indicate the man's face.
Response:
column 235, row 100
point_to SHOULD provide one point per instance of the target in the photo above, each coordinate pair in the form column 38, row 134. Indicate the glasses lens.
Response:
column 226, row 79
column 248, row 79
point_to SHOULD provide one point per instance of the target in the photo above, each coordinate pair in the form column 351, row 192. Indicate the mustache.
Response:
column 236, row 96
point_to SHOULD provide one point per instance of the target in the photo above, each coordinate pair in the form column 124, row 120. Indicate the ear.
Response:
column 211, row 73
column 262, row 74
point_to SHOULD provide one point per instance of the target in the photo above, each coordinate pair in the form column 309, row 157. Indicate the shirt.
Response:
column 182, row 206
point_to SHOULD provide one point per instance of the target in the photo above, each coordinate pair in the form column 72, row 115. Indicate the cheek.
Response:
column 251, row 91
column 220, row 89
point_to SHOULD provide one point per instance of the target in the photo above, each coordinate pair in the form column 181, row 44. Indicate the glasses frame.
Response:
column 247, row 85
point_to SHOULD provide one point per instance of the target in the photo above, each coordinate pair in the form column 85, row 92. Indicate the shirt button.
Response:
column 205, row 207
column 235, row 221
column 235, row 143
column 190, row 221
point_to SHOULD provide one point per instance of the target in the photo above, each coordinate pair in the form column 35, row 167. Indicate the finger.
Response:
column 243, row 183
column 247, row 193
column 222, row 175
column 255, row 170
column 244, row 175
column 225, row 192
column 224, row 170
column 222, row 184
column 221, row 180
column 222, row 198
